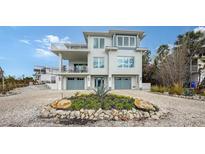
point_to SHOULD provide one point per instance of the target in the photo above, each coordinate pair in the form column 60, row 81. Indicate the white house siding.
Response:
column 98, row 53
column 137, row 69
column 111, row 69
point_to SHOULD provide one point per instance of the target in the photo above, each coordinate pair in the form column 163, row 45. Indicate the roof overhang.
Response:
column 73, row 55
column 110, row 33
column 142, row 49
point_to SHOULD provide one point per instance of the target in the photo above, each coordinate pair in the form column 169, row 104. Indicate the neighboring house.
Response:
column 198, row 63
column 45, row 74
column 112, row 59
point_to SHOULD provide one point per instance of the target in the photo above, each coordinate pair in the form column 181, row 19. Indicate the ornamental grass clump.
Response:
column 160, row 89
column 176, row 89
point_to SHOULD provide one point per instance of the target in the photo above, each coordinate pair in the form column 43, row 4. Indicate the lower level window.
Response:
column 125, row 62
column 98, row 62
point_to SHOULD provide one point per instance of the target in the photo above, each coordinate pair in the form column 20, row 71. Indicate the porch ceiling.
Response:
column 74, row 55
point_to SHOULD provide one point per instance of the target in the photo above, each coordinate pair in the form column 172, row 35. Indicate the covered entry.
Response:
column 122, row 82
column 75, row 83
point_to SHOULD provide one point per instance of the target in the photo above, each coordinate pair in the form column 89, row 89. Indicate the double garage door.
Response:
column 122, row 82
column 75, row 83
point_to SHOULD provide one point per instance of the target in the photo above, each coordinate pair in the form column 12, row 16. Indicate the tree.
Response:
column 194, row 42
column 148, row 68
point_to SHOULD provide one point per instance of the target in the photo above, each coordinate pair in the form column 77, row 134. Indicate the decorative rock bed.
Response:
column 94, row 115
column 10, row 93
column 194, row 97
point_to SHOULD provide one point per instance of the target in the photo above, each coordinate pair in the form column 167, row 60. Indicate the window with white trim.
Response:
column 98, row 62
column 98, row 43
column 126, row 41
column 125, row 62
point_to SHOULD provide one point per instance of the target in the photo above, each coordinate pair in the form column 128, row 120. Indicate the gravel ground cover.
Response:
column 22, row 110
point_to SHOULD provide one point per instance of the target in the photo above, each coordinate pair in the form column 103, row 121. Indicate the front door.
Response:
column 99, row 82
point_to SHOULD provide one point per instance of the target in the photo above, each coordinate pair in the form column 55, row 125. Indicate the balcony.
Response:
column 194, row 69
column 78, row 69
column 68, row 47
column 73, row 70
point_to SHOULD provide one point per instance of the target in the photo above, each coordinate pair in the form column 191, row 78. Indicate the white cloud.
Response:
column 199, row 29
column 43, row 53
column 45, row 43
column 25, row 42
column 39, row 41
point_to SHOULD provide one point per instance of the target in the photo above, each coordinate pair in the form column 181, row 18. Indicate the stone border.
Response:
column 95, row 115
column 194, row 97
column 8, row 94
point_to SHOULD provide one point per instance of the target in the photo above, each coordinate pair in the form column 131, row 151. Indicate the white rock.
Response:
column 99, row 111
column 134, row 110
column 131, row 116
column 77, row 114
column 72, row 115
column 90, row 112
column 155, row 117
column 82, row 116
column 44, row 113
column 91, row 117
column 114, row 112
column 116, row 118
column 146, row 114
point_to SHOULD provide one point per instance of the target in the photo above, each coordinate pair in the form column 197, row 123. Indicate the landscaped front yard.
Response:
column 24, row 109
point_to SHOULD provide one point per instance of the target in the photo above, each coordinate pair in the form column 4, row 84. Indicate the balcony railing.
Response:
column 68, row 46
column 82, row 69
column 194, row 69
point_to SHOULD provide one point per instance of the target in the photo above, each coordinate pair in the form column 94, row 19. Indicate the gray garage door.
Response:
column 122, row 83
column 75, row 84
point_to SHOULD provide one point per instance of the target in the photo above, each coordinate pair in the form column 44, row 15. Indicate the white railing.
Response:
column 67, row 46
column 194, row 68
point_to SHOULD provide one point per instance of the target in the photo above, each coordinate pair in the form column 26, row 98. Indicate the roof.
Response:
column 112, row 32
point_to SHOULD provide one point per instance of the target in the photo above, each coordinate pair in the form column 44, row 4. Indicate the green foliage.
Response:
column 101, row 92
column 176, row 89
column 93, row 101
column 11, row 83
column 160, row 89
column 189, row 92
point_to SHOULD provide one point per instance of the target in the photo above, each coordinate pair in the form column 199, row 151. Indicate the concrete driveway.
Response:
column 23, row 109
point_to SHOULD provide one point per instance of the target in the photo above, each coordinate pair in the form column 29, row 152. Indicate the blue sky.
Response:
column 21, row 48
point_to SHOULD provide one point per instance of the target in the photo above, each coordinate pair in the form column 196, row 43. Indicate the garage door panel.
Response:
column 122, row 83
column 75, row 83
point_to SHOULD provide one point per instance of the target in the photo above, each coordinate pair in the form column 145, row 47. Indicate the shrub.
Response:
column 176, row 89
column 93, row 101
column 189, row 92
column 160, row 89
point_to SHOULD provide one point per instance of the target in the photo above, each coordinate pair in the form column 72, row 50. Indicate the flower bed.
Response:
column 89, row 107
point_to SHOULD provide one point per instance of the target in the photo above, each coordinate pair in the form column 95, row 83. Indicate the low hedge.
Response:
column 92, row 101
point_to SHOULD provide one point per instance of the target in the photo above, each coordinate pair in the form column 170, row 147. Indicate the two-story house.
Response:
column 112, row 59
column 198, row 68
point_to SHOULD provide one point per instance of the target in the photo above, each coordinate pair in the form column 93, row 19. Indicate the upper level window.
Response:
column 120, row 41
column 132, row 41
column 99, row 43
column 125, row 62
column 98, row 62
column 126, row 41
column 95, row 44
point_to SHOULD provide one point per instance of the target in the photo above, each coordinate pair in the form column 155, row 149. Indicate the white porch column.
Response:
column 60, row 62
column 140, row 82
column 110, row 81
column 88, row 82
column 60, row 78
